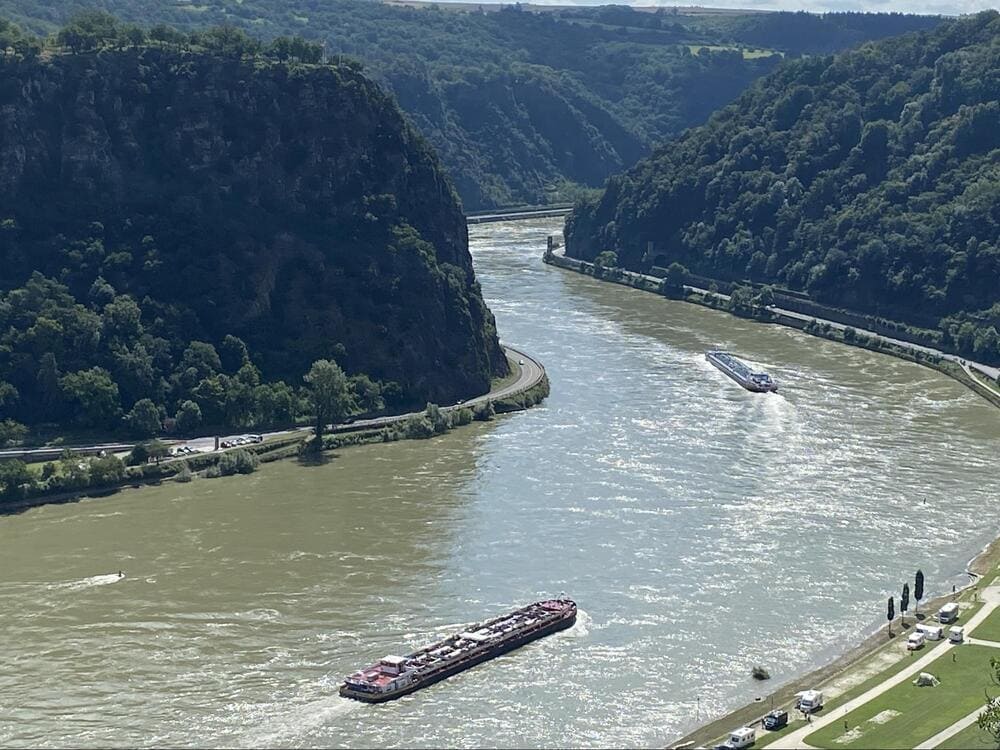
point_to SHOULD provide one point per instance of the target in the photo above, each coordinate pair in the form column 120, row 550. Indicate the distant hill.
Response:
column 870, row 180
column 526, row 107
column 194, row 219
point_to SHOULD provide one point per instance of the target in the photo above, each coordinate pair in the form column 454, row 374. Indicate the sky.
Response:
column 944, row 7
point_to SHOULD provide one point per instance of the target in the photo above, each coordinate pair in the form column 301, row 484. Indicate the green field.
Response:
column 970, row 738
column 989, row 629
column 748, row 52
column 907, row 715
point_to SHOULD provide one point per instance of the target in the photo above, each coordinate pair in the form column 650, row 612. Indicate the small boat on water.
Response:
column 741, row 372
column 395, row 676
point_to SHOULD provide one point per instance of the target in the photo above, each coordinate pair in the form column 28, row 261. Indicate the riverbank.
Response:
column 848, row 675
column 969, row 374
column 527, row 386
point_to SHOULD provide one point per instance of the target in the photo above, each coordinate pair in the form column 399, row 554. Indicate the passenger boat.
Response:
column 395, row 676
column 741, row 372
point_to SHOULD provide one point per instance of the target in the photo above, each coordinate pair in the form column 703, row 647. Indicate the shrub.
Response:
column 238, row 462
column 484, row 412
column 184, row 475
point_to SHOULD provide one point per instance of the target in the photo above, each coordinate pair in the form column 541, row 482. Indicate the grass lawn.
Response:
column 989, row 629
column 907, row 715
column 748, row 53
column 970, row 738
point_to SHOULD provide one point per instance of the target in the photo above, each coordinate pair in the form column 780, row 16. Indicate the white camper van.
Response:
column 810, row 700
column 948, row 613
column 932, row 632
column 742, row 737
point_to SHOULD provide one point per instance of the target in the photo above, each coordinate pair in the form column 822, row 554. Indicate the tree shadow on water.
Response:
column 314, row 458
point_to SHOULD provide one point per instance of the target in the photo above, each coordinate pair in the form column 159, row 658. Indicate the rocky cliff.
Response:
column 288, row 204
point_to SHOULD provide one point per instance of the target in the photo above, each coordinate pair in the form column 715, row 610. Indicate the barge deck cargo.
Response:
column 741, row 372
column 395, row 676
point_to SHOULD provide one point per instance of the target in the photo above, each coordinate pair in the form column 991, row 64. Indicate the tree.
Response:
column 14, row 474
column 157, row 450
column 675, row 277
column 233, row 353
column 606, row 259
column 890, row 614
column 989, row 719
column 94, row 396
column 203, row 358
column 188, row 417
column 329, row 394
column 144, row 419
column 139, row 455
column 904, row 603
column 367, row 394
column 11, row 432
column 106, row 470
column 918, row 589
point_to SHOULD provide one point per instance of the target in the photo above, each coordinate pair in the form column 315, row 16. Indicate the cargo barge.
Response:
column 395, row 676
column 742, row 373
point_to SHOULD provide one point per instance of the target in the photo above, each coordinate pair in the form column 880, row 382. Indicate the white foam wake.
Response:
column 86, row 583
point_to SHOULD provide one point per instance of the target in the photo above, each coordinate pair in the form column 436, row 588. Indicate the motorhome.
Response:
column 932, row 632
column 810, row 700
column 742, row 737
column 948, row 613
column 915, row 641
column 956, row 634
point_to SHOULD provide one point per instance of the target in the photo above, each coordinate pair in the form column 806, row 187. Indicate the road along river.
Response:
column 701, row 528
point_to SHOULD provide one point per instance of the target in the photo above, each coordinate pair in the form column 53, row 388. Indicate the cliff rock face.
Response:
column 286, row 204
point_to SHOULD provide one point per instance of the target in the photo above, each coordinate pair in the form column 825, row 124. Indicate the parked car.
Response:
column 915, row 641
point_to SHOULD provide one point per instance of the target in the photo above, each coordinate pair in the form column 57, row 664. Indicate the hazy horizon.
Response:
column 929, row 7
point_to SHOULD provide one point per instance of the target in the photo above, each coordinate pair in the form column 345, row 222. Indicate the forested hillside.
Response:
column 525, row 106
column 188, row 222
column 870, row 180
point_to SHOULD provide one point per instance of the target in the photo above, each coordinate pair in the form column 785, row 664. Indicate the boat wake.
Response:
column 86, row 583
column 290, row 727
column 581, row 628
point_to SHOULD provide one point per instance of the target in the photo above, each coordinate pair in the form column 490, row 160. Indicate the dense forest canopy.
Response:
column 870, row 180
column 524, row 107
column 187, row 222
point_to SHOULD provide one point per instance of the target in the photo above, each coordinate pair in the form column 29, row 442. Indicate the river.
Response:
column 701, row 528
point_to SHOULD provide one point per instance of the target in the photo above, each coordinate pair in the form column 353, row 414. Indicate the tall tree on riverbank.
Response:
column 904, row 603
column 329, row 394
column 989, row 719
column 918, row 589
column 890, row 614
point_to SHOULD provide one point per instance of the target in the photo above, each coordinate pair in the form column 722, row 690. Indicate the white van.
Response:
column 742, row 737
column 932, row 632
column 915, row 641
column 956, row 634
